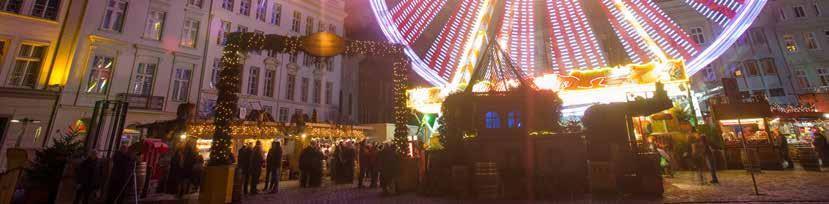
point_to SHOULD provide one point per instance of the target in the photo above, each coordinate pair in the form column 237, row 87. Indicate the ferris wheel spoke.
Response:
column 663, row 29
column 518, row 33
column 633, row 44
column 719, row 11
column 573, row 43
column 443, row 55
column 413, row 16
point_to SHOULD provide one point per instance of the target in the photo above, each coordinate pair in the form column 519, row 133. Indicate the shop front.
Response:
column 746, row 135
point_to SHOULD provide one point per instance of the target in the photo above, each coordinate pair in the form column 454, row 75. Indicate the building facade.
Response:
column 27, row 85
column 280, row 84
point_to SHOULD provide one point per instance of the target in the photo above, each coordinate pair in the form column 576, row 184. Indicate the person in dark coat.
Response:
column 367, row 158
column 88, row 173
column 821, row 147
column 784, row 150
column 708, row 155
column 389, row 168
column 243, row 166
column 349, row 157
column 316, row 167
column 256, row 160
column 273, row 167
column 305, row 165
column 123, row 164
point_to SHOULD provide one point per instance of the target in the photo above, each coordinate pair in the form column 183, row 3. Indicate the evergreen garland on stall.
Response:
column 233, row 58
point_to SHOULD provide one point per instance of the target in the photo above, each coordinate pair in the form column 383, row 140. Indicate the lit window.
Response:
column 802, row 79
column 697, row 35
column 513, row 120
column 27, row 65
column 228, row 4
column 142, row 83
column 181, row 82
column 492, row 120
column 811, row 41
column 823, row 75
column 296, row 21
column 244, row 7
column 223, row 30
column 751, row 67
column 261, row 10
column 114, row 15
column 768, row 66
column 270, row 82
column 155, row 24
column 799, row 12
column 791, row 44
column 329, row 91
column 317, row 91
column 276, row 15
column 100, row 74
column 737, row 69
column 253, row 81
column 190, row 33
column 290, row 87
column 11, row 5
column 47, row 9
column 303, row 96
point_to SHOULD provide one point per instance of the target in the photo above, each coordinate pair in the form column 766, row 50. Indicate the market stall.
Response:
column 745, row 132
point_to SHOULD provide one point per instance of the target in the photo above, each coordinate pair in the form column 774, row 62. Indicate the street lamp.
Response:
column 26, row 122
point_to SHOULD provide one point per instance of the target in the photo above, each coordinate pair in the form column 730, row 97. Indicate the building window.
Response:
column 100, row 74
column 757, row 36
column 823, row 75
column 307, row 60
column 697, row 35
column 261, row 10
column 329, row 65
column 181, row 83
column 27, row 65
column 802, row 79
column 303, row 96
column 710, row 74
column 293, row 57
column 155, row 24
column 317, row 91
column 737, row 70
column 114, row 15
column 276, row 15
column 799, row 11
column 253, row 81
column 777, row 92
column 195, row 3
column 329, row 92
column 283, row 114
column 13, row 6
column 244, row 7
column 791, row 44
column 811, row 41
column 190, row 33
column 214, row 72
column 492, row 120
column 332, row 28
column 513, row 120
column 223, row 30
column 309, row 25
column 228, row 4
column 268, row 109
column 769, row 67
column 270, row 82
column 290, row 87
column 296, row 21
column 242, row 29
column 782, row 14
column 320, row 26
column 751, row 67
column 142, row 83
column 47, row 9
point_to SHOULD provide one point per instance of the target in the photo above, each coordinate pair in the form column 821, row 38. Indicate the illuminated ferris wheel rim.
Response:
column 729, row 35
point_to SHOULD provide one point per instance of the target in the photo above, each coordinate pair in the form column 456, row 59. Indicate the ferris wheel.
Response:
column 556, row 36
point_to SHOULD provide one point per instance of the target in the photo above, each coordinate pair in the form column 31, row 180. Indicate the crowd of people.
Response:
column 251, row 160
column 378, row 164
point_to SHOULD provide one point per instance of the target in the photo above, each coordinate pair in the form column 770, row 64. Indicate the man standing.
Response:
column 784, row 150
column 305, row 165
column 273, row 168
column 244, row 166
column 256, row 159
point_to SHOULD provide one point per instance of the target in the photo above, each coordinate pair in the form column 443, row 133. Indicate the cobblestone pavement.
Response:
column 735, row 187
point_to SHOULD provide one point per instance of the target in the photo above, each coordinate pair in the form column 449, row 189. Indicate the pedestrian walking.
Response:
column 784, row 151
column 698, row 157
column 88, row 183
column 708, row 158
column 274, row 165
column 821, row 147
column 123, row 164
column 256, row 160
column 389, row 170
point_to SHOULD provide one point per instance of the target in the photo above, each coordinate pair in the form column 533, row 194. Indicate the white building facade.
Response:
column 280, row 84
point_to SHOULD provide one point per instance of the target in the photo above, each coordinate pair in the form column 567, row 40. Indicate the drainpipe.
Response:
column 204, row 56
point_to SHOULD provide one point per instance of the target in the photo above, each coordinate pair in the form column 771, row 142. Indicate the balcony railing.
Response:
column 143, row 102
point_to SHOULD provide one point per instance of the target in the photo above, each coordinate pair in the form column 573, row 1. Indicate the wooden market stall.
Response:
column 745, row 132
